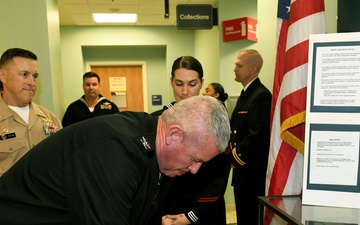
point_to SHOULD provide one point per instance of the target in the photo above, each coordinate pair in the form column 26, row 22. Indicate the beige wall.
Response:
column 34, row 25
column 203, row 44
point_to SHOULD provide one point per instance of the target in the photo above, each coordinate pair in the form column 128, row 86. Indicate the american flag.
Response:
column 296, row 21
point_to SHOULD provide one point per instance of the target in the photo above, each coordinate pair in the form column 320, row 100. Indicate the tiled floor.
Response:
column 230, row 214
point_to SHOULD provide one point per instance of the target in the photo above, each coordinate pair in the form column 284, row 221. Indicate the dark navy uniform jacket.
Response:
column 98, row 171
column 199, row 196
column 250, row 137
column 79, row 110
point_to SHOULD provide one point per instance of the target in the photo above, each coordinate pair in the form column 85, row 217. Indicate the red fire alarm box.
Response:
column 239, row 29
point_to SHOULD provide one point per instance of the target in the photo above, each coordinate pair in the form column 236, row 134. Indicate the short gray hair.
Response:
column 202, row 118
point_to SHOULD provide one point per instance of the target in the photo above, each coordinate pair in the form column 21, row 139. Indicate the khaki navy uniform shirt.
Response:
column 17, row 137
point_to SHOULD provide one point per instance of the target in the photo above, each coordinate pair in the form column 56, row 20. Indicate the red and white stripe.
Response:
column 285, row 167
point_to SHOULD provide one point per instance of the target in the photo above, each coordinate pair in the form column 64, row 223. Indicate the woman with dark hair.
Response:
column 193, row 198
column 217, row 91
column 186, row 80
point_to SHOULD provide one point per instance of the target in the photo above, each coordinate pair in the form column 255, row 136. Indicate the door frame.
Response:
column 125, row 63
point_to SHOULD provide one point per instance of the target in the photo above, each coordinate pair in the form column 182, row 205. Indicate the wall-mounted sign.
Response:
column 156, row 99
column 117, row 83
column 194, row 16
column 239, row 29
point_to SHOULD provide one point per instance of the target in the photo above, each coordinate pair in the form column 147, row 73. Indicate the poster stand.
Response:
column 332, row 130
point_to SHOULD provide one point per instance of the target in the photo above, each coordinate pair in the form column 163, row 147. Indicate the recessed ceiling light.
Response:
column 115, row 17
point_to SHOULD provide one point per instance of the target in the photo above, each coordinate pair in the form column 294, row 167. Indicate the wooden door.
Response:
column 134, row 84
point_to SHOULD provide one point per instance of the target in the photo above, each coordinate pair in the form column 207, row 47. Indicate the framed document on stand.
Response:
column 332, row 136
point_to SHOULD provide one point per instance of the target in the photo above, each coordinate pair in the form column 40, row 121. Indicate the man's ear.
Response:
column 2, row 75
column 253, row 69
column 174, row 133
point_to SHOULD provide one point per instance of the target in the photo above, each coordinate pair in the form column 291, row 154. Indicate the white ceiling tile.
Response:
column 150, row 12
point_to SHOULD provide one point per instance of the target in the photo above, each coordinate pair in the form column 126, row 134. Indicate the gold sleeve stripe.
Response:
column 237, row 158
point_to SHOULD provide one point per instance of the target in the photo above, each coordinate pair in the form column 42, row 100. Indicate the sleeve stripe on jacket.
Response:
column 237, row 158
column 212, row 199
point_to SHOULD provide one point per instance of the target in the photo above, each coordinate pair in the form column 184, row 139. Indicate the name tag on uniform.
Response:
column 242, row 112
column 7, row 136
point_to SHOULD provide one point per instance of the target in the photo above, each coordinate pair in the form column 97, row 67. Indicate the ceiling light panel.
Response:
column 115, row 17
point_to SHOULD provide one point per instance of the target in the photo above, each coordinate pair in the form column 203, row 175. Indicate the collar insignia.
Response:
column 145, row 143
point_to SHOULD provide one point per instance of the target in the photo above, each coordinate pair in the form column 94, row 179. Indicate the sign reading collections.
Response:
column 194, row 16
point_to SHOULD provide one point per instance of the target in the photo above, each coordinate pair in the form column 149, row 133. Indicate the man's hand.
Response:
column 179, row 219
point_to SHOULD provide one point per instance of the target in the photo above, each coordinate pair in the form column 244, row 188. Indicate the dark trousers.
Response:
column 246, row 204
